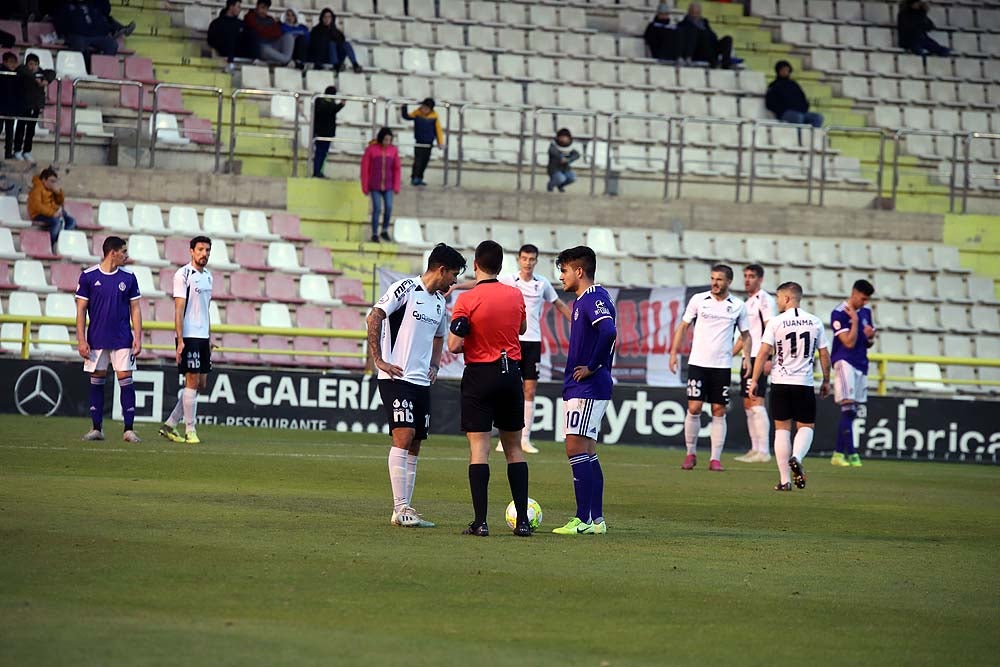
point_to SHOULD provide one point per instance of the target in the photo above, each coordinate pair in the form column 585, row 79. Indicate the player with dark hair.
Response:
column 406, row 329
column 486, row 322
column 761, row 308
column 794, row 336
column 587, row 385
column 853, row 333
column 192, row 300
column 714, row 314
column 110, row 296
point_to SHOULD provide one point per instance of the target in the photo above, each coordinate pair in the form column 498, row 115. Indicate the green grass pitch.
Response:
column 274, row 548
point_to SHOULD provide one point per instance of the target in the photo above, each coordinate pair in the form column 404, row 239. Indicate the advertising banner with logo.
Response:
column 919, row 428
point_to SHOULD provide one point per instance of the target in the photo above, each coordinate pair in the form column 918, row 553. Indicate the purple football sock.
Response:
column 128, row 401
column 583, row 484
column 597, row 496
column 97, row 401
column 845, row 430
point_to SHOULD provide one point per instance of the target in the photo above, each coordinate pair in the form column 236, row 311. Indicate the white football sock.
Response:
column 529, row 416
column 692, row 424
column 752, row 429
column 783, row 452
column 190, row 401
column 718, row 436
column 176, row 414
column 803, row 441
column 763, row 429
column 397, row 477
column 411, row 475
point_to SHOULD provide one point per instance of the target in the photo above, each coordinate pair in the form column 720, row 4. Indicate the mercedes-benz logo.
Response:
column 38, row 391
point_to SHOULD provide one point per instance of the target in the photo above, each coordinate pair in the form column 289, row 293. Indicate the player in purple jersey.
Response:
column 587, row 385
column 853, row 333
column 110, row 296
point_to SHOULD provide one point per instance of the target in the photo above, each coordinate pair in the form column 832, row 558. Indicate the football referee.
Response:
column 486, row 322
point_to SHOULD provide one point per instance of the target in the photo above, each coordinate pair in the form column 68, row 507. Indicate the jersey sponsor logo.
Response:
column 403, row 286
column 427, row 319
column 576, row 313
column 694, row 388
column 402, row 411
column 601, row 309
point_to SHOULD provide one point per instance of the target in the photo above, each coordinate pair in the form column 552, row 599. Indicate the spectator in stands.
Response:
column 45, row 204
column 10, row 96
column 329, row 46
column 229, row 36
column 33, row 82
column 698, row 42
column 561, row 156
column 426, row 129
column 300, row 32
column 117, row 29
column 380, row 170
column 87, row 28
column 661, row 37
column 324, row 125
column 914, row 26
column 275, row 46
column 787, row 101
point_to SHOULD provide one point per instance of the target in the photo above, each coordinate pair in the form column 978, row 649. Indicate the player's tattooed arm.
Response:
column 375, row 319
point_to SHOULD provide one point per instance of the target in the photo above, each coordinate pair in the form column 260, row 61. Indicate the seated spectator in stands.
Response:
column 561, row 156
column 380, row 172
column 324, row 125
column 275, row 46
column 86, row 28
column 10, row 101
column 229, row 36
column 787, row 101
column 33, row 82
column 292, row 24
column 914, row 26
column 117, row 29
column 426, row 130
column 45, row 204
column 329, row 46
column 698, row 42
column 661, row 37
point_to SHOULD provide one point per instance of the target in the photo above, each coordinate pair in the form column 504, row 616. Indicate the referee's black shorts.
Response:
column 491, row 397
column 792, row 402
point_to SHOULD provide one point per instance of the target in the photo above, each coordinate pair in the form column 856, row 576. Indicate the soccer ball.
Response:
column 534, row 514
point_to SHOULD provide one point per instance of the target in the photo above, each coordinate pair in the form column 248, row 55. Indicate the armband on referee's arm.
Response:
column 460, row 326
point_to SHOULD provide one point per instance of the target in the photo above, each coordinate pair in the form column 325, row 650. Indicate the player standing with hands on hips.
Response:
column 485, row 326
column 793, row 337
column 406, row 329
column 587, row 385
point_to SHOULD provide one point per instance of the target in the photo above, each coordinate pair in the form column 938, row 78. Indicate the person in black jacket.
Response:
column 227, row 34
column 329, row 46
column 10, row 101
column 786, row 100
column 661, row 37
column 699, row 42
column 914, row 25
column 324, row 125
column 34, row 81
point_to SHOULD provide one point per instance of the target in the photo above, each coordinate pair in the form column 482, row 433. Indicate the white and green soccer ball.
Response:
column 534, row 514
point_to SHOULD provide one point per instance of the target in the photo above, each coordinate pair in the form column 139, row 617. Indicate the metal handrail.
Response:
column 850, row 129
column 897, row 136
column 967, row 143
column 557, row 111
column 41, row 120
column 367, row 99
column 753, row 154
column 154, row 130
column 637, row 116
column 106, row 83
column 254, row 92
column 465, row 106
column 709, row 120
column 446, row 130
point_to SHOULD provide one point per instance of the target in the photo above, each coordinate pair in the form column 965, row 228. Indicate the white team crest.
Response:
column 576, row 313
column 121, row 287
column 836, row 324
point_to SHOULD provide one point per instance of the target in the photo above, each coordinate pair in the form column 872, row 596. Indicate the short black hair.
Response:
column 32, row 58
column 864, row 287
column 266, row 3
column 723, row 268
column 383, row 133
column 581, row 255
column 446, row 256
column 9, row 55
column 529, row 248
column 489, row 257
column 200, row 239
column 230, row 3
column 113, row 243
column 757, row 269
column 48, row 172
column 564, row 132
column 790, row 286
column 428, row 102
column 330, row 90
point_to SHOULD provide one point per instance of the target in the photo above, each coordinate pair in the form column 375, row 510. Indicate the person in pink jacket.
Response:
column 380, row 168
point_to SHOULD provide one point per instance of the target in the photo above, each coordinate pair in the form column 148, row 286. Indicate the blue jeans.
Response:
column 378, row 196
column 340, row 51
column 322, row 148
column 803, row 118
column 561, row 179
column 56, row 225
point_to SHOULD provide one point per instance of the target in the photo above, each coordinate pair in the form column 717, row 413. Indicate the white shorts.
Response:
column 583, row 416
column 849, row 384
column 120, row 360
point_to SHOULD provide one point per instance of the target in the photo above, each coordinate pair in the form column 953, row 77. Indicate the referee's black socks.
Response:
column 517, row 476
column 479, row 483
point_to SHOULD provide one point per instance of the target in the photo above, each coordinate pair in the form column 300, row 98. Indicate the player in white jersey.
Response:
column 192, row 300
column 761, row 307
column 793, row 337
column 406, row 330
column 715, row 314
column 537, row 291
